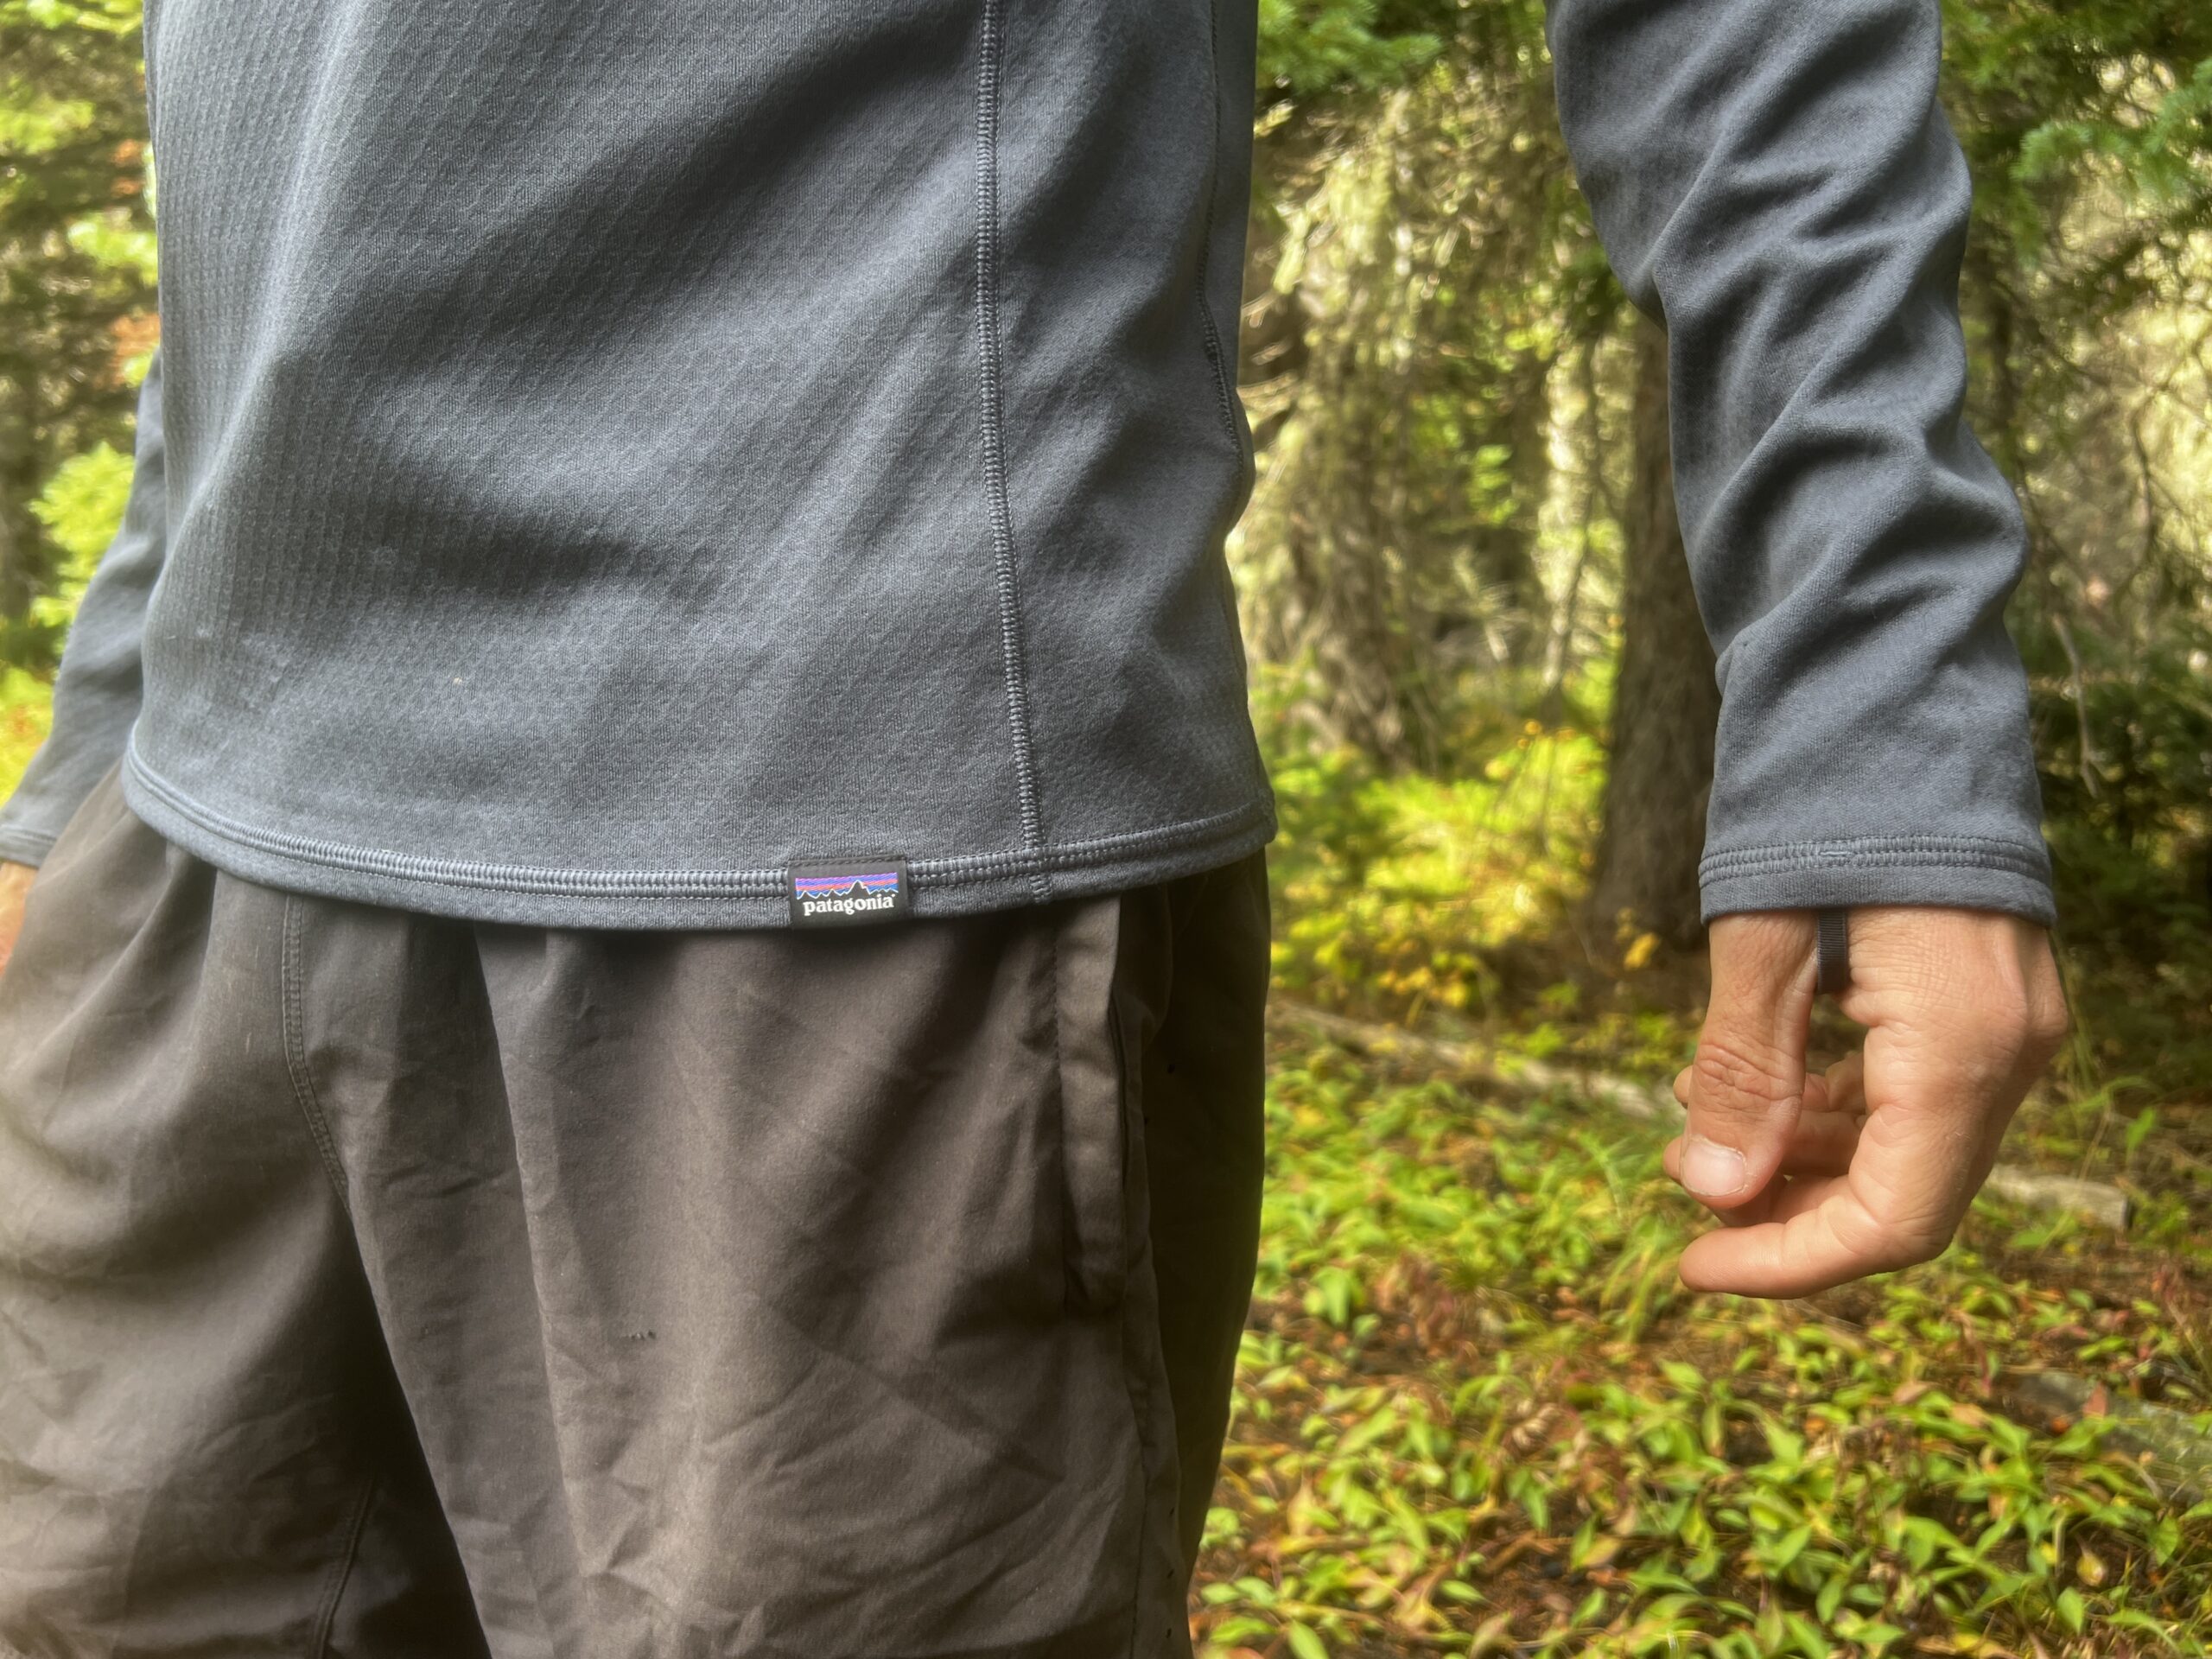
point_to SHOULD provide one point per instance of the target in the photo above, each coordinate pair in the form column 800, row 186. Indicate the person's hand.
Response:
column 15, row 883
column 1825, row 1179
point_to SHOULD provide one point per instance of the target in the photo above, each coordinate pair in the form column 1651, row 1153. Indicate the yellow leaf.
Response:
column 1601, row 1553
column 1496, row 1633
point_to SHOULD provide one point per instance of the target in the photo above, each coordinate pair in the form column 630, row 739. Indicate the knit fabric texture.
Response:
column 601, row 455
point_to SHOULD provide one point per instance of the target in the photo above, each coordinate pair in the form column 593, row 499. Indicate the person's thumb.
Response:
column 1746, row 1087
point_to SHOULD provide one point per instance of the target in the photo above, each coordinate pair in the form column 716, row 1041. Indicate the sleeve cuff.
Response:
column 1964, row 872
column 22, row 845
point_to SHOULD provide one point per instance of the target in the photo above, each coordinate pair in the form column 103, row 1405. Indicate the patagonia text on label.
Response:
column 838, row 895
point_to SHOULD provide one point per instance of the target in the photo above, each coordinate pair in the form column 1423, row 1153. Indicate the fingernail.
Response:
column 1710, row 1170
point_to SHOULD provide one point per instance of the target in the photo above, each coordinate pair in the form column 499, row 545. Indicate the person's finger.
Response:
column 1821, row 1142
column 1747, row 1213
column 1816, row 1097
column 1962, row 1014
column 1746, row 1087
column 1827, row 1231
column 1793, row 1196
column 1844, row 1084
column 1818, row 1086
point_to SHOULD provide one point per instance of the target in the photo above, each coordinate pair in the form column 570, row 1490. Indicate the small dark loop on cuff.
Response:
column 1834, row 949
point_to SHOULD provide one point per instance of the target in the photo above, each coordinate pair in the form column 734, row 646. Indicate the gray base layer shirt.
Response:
column 604, row 457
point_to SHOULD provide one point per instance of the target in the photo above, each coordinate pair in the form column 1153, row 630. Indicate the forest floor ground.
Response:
column 1479, row 1413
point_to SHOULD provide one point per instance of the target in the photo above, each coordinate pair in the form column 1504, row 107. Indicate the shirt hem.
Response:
column 1963, row 871
column 547, row 896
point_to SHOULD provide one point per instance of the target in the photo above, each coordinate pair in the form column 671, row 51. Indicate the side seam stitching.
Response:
column 1013, row 668
column 1224, row 388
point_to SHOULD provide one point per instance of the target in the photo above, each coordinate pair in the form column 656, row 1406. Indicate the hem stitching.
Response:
column 38, row 840
column 954, row 871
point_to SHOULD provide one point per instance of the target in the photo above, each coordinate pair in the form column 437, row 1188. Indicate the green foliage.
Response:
column 118, row 242
column 77, row 282
column 1477, row 1413
column 2126, row 742
column 116, row 17
column 2158, row 157
column 1393, row 888
column 80, row 507
column 25, row 717
column 1311, row 46
column 2055, row 101
column 1425, row 261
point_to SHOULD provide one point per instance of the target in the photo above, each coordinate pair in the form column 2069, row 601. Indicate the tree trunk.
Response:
column 1666, row 703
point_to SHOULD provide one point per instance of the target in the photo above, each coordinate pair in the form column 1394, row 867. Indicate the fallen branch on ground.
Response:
column 2098, row 1202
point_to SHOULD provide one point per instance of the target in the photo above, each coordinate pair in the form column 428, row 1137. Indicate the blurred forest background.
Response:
column 1479, row 1415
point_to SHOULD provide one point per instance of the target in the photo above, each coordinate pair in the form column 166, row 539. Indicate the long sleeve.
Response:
column 96, row 694
column 1776, row 181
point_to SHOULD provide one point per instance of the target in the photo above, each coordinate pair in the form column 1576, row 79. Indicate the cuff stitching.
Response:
column 1969, row 851
column 21, row 844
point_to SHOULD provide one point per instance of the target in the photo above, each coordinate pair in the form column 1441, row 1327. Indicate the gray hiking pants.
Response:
column 375, row 1284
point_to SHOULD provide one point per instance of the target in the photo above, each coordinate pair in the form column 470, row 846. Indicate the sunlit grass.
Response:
column 1391, row 889
column 25, row 713
column 1479, row 1413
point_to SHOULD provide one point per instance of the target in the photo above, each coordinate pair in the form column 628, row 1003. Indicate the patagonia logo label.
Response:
column 835, row 895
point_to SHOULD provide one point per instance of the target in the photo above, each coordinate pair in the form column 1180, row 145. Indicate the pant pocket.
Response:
column 1093, row 1099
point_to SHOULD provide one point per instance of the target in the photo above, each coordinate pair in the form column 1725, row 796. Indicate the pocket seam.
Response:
column 1093, row 1231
